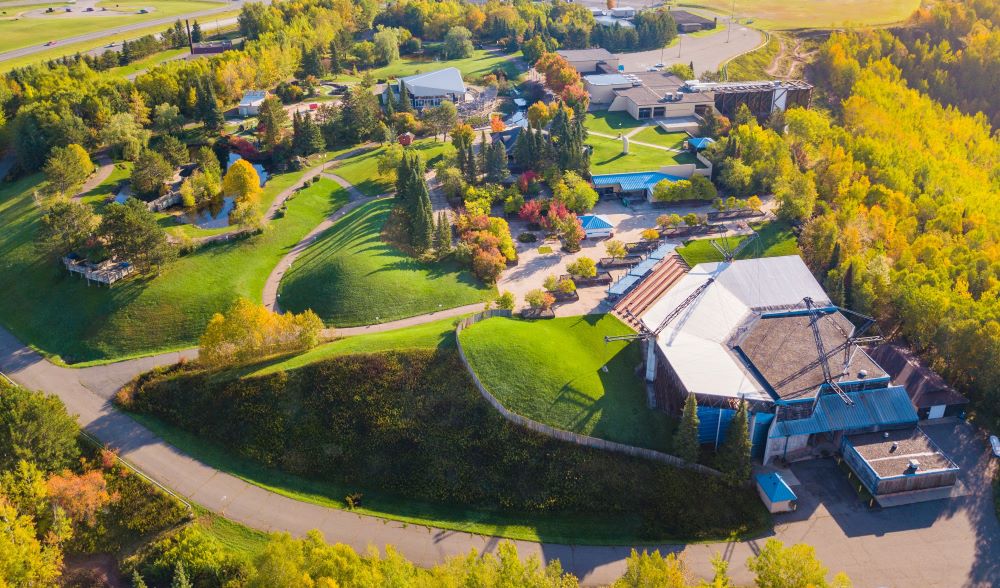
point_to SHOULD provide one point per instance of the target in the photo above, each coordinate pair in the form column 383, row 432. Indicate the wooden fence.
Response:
column 560, row 434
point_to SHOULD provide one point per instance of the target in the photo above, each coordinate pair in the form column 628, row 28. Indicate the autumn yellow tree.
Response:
column 242, row 182
column 249, row 331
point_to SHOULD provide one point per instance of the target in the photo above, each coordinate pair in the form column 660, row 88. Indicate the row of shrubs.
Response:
column 411, row 424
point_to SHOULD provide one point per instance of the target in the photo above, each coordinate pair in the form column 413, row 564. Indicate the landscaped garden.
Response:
column 361, row 167
column 62, row 316
column 774, row 239
column 607, row 157
column 405, row 435
column 350, row 276
column 561, row 373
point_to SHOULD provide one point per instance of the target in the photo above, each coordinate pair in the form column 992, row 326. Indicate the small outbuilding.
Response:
column 250, row 104
column 596, row 226
column 776, row 493
column 930, row 394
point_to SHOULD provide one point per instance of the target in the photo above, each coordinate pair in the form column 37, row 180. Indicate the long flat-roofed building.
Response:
column 753, row 332
column 590, row 61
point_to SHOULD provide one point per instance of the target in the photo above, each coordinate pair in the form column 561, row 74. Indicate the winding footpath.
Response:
column 962, row 548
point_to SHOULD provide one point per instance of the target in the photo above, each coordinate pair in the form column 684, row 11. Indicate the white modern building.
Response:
column 432, row 88
column 250, row 104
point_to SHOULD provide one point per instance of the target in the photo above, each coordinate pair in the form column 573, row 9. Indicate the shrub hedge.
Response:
column 412, row 424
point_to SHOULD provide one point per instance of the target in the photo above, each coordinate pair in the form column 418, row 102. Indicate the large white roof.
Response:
column 697, row 342
column 435, row 83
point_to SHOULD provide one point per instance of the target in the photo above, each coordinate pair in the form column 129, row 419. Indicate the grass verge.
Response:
column 607, row 157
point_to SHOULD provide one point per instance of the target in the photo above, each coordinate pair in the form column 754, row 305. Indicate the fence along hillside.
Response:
column 560, row 434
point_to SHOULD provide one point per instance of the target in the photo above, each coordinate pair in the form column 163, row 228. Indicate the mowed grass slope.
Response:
column 38, row 29
column 480, row 63
column 350, row 276
column 60, row 315
column 775, row 239
column 811, row 14
column 551, row 371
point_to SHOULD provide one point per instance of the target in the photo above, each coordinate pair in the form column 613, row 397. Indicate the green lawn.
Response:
column 437, row 334
column 812, row 14
column 776, row 239
column 61, row 50
column 480, row 63
column 349, row 276
column 551, row 371
column 657, row 136
column 362, row 169
column 607, row 157
column 610, row 123
column 148, row 62
column 38, row 29
column 61, row 316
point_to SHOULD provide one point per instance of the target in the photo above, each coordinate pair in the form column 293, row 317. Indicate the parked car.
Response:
column 995, row 444
column 50, row 43
column 658, row 66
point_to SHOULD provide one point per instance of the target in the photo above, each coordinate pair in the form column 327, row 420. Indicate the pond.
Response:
column 213, row 216
column 234, row 157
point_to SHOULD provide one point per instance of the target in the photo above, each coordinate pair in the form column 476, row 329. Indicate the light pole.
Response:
column 732, row 15
column 680, row 44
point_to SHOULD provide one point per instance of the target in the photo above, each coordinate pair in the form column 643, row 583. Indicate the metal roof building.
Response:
column 631, row 184
column 760, row 331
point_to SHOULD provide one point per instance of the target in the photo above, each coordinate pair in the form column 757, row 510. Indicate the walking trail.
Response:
column 839, row 537
column 104, row 169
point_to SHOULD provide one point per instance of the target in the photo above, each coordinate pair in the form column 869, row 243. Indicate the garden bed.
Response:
column 619, row 262
column 642, row 247
column 724, row 215
column 538, row 313
column 601, row 279
column 681, row 232
column 563, row 297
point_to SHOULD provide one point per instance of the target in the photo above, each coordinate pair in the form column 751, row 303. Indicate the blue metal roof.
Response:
column 871, row 408
column 593, row 221
column 663, row 251
column 629, row 182
column 700, row 142
column 643, row 267
column 623, row 285
column 775, row 487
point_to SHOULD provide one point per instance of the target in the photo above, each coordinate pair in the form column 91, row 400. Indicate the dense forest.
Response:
column 949, row 51
column 897, row 196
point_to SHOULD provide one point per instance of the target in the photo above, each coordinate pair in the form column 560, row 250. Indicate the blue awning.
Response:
column 629, row 182
column 775, row 487
column 700, row 142
column 643, row 267
column 623, row 285
column 871, row 408
column 663, row 251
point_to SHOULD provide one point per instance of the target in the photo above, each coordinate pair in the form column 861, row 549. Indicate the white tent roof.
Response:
column 435, row 83
column 696, row 343
column 252, row 97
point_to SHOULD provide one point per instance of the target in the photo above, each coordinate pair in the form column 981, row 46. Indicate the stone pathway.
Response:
column 103, row 171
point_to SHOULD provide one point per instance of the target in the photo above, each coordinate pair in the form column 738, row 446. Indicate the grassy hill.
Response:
column 553, row 372
column 349, row 276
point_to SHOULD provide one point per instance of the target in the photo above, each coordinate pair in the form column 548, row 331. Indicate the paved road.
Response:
column 118, row 31
column 707, row 53
column 941, row 544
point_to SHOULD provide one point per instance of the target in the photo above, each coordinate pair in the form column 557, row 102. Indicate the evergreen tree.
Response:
column 524, row 149
column 442, row 236
column 496, row 162
column 137, row 581
column 335, row 65
column 180, row 579
column 390, row 102
column 686, row 440
column 734, row 455
column 422, row 219
column 196, row 33
column 307, row 138
column 207, row 107
column 405, row 104
column 483, row 151
column 471, row 169
column 312, row 63
column 405, row 178
column 566, row 138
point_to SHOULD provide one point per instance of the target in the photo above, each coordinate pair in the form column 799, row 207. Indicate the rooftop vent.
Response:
column 862, row 374
column 885, row 435
column 914, row 464
column 895, row 446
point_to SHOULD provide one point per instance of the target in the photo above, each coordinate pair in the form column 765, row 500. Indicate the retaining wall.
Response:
column 560, row 434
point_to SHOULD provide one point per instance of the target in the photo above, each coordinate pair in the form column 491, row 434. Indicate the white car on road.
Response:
column 995, row 444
